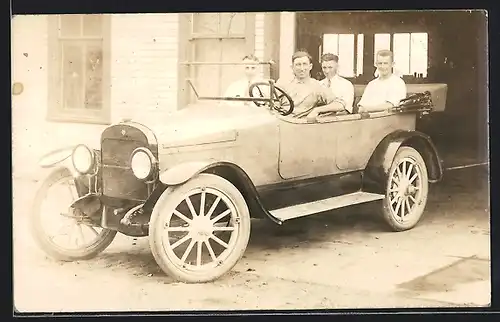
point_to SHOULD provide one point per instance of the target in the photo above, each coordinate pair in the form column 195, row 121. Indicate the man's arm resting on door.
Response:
column 376, row 108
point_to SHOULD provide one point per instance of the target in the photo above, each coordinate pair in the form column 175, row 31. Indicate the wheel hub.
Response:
column 410, row 190
column 202, row 227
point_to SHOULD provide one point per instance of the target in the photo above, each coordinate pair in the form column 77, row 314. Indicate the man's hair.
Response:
column 385, row 53
column 300, row 54
column 330, row 57
column 251, row 57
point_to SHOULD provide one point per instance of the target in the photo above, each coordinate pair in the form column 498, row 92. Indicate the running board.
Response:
column 315, row 207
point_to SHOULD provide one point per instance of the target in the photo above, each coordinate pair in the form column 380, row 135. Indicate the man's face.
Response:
column 250, row 68
column 301, row 67
column 384, row 65
column 329, row 68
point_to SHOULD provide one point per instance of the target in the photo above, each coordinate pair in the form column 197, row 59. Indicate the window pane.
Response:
column 93, row 73
column 232, row 23
column 382, row 41
column 359, row 63
column 92, row 25
column 418, row 61
column 346, row 55
column 70, row 25
column 401, row 46
column 232, row 51
column 330, row 43
column 208, row 50
column 72, row 76
column 207, row 23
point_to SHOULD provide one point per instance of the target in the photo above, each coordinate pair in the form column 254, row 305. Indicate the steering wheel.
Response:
column 282, row 102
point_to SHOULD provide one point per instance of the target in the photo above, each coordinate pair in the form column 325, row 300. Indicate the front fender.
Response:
column 377, row 171
column 236, row 175
column 59, row 158
column 183, row 172
column 55, row 157
column 62, row 158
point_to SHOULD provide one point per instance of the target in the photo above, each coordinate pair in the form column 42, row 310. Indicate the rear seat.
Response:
column 438, row 92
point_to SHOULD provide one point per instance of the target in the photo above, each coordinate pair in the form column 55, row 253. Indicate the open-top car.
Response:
column 192, row 182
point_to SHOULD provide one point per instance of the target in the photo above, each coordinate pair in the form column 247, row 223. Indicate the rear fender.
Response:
column 377, row 171
column 229, row 171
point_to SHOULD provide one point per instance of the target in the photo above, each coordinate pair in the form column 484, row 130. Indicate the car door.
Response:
column 342, row 144
column 307, row 150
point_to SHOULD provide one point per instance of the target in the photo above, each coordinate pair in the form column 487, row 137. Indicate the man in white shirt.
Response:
column 341, row 88
column 240, row 88
column 387, row 90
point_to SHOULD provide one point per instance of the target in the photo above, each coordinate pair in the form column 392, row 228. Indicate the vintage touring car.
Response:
column 192, row 182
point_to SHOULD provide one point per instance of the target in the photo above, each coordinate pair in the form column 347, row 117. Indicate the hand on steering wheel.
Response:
column 281, row 101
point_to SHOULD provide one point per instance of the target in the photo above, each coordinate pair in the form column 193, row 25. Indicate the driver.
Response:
column 240, row 88
column 308, row 93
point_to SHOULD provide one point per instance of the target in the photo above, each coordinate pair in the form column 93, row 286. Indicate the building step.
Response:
column 315, row 207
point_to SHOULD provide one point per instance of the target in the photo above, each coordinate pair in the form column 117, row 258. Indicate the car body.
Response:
column 211, row 161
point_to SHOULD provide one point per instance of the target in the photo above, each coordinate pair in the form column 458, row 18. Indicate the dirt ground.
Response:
column 341, row 259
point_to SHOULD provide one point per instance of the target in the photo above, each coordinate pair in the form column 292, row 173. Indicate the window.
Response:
column 212, row 38
column 77, row 68
column 410, row 51
column 349, row 48
column 381, row 42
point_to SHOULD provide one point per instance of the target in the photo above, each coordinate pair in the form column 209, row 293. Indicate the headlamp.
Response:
column 83, row 159
column 142, row 163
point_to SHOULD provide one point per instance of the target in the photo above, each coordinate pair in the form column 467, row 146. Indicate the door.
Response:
column 307, row 150
column 214, row 38
column 344, row 145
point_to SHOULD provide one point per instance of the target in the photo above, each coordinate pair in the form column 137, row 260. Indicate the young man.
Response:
column 385, row 91
column 307, row 93
column 240, row 88
column 342, row 89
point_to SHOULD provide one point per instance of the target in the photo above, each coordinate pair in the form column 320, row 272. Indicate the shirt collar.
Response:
column 305, row 81
column 336, row 76
column 392, row 76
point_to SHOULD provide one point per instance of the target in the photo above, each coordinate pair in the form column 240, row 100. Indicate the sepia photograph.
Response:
column 227, row 161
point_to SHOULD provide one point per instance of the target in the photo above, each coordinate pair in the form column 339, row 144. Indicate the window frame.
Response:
column 391, row 42
column 186, row 43
column 356, row 57
column 56, row 111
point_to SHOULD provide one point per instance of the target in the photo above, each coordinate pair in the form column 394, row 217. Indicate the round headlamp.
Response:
column 83, row 159
column 142, row 163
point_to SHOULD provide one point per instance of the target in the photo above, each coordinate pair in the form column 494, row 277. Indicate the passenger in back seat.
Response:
column 240, row 88
column 387, row 90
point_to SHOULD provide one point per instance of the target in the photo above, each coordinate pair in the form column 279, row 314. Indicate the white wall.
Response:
column 259, row 41
column 144, row 79
column 259, row 35
column 32, row 135
column 287, row 43
column 144, row 64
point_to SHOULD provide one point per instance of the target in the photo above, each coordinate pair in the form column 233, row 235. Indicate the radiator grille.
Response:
column 118, row 180
column 117, row 152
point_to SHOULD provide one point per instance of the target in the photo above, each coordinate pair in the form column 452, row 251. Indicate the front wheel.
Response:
column 199, row 230
column 407, row 189
column 74, row 237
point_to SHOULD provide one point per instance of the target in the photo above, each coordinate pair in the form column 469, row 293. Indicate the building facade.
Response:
column 73, row 75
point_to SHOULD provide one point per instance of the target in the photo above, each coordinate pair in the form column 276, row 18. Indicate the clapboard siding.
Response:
column 144, row 64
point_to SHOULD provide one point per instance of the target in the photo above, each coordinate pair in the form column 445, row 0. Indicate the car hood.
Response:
column 206, row 123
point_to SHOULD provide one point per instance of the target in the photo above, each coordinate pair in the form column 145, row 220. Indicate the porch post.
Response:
column 287, row 43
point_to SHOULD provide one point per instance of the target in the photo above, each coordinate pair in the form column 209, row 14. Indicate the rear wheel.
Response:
column 199, row 230
column 62, row 232
column 407, row 189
